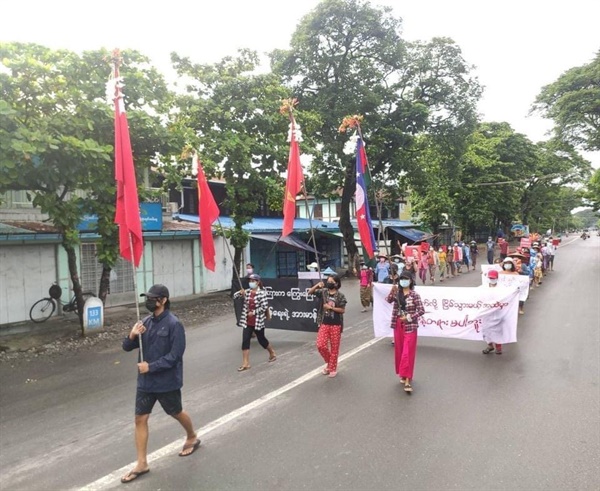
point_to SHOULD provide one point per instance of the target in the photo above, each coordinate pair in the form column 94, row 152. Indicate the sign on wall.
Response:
column 150, row 215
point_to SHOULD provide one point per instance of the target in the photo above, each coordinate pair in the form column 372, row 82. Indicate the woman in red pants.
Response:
column 408, row 308
column 330, row 320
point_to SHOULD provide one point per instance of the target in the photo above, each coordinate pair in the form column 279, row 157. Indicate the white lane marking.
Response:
column 176, row 446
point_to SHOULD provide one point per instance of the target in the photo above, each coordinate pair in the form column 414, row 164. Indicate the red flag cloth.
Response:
column 208, row 212
column 295, row 177
column 127, row 214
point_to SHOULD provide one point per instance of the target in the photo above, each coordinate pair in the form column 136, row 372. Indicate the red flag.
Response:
column 295, row 177
column 127, row 214
column 208, row 212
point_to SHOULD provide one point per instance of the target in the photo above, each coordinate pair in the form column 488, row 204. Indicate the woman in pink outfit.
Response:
column 408, row 308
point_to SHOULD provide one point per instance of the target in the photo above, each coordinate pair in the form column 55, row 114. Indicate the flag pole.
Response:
column 235, row 268
column 377, row 202
column 308, row 212
column 135, row 289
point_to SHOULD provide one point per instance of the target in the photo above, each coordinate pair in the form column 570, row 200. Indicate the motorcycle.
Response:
column 584, row 236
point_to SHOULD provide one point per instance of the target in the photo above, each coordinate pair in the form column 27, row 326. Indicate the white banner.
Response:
column 520, row 281
column 478, row 314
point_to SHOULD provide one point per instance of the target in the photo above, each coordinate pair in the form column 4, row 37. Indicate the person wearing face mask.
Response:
column 382, row 270
column 366, row 286
column 407, row 310
column 160, row 374
column 253, row 319
column 492, row 283
column 330, row 320
column 508, row 266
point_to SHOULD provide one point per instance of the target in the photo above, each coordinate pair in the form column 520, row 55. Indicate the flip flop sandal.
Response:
column 272, row 358
column 193, row 446
column 241, row 369
column 133, row 475
column 498, row 352
column 487, row 351
column 408, row 388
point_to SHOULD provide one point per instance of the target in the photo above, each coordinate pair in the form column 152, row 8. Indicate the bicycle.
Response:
column 43, row 309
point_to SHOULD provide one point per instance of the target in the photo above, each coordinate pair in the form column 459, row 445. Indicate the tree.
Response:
column 573, row 102
column 347, row 57
column 230, row 114
column 56, row 137
column 593, row 191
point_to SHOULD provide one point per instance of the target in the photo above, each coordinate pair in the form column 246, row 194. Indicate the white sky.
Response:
column 516, row 46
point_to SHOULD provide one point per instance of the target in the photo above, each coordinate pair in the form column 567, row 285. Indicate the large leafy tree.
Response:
column 347, row 57
column 230, row 114
column 573, row 102
column 56, row 136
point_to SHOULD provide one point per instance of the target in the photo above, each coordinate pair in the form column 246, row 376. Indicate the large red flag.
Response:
column 208, row 212
column 295, row 177
column 127, row 214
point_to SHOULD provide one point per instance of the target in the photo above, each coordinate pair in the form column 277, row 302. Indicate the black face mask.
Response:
column 331, row 286
column 151, row 304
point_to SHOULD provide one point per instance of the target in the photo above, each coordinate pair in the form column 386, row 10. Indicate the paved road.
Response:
column 529, row 419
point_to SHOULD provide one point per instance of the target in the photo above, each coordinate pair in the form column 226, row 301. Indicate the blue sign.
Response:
column 150, row 216
column 94, row 317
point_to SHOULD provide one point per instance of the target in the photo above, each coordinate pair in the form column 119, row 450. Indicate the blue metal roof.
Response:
column 268, row 225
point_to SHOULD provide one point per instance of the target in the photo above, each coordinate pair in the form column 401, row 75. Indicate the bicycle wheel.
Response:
column 42, row 310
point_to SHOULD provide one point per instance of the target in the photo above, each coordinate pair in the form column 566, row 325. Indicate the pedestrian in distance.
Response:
column 474, row 253
column 252, row 320
column 424, row 266
column 366, row 286
column 160, row 374
column 407, row 310
column 490, row 246
column 330, row 320
column 492, row 283
column 442, row 263
column 433, row 262
column 503, row 244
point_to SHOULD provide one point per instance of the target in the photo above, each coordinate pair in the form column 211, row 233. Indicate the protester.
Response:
column 382, row 270
column 160, row 374
column 474, row 253
column 423, row 266
column 366, row 286
column 393, row 277
column 503, row 248
column 249, row 269
column 442, row 263
column 330, row 320
column 466, row 254
column 412, row 264
column 433, row 261
column 553, row 247
column 457, row 257
column 492, row 282
column 490, row 245
column 407, row 310
column 253, row 319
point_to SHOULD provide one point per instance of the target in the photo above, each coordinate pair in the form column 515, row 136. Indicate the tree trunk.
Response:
column 72, row 260
column 345, row 225
column 104, row 283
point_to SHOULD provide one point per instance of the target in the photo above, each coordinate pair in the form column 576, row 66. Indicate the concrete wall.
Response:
column 26, row 274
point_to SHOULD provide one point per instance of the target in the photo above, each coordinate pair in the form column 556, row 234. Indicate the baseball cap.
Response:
column 157, row 291
column 492, row 274
column 254, row 277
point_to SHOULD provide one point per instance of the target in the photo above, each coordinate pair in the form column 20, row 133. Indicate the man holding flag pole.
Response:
column 160, row 372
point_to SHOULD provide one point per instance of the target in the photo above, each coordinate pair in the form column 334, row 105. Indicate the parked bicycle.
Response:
column 43, row 309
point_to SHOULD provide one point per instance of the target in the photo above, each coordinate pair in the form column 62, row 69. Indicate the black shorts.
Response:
column 170, row 402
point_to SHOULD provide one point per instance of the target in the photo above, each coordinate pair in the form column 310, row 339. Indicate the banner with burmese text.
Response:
column 477, row 314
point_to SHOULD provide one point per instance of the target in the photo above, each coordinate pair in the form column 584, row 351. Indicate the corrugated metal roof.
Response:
column 267, row 225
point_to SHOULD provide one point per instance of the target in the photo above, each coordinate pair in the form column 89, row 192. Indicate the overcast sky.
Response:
column 517, row 46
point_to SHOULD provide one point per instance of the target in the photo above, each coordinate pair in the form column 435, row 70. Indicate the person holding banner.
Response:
column 330, row 319
column 253, row 319
column 492, row 283
column 407, row 310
